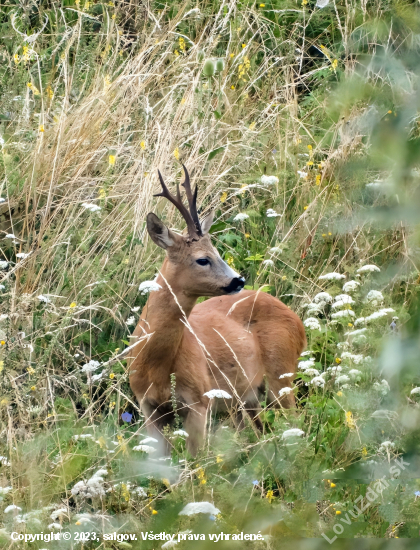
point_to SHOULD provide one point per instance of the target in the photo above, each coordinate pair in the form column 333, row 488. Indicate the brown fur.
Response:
column 231, row 341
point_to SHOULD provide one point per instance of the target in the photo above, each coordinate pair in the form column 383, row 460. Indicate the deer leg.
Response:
column 274, row 386
column 155, row 422
column 195, row 426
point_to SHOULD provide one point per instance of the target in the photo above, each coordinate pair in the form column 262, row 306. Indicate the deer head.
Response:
column 191, row 258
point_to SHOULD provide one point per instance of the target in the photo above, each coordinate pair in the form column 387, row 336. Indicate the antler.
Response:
column 193, row 223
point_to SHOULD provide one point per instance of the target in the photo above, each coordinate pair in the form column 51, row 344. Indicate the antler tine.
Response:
column 177, row 202
column 192, row 199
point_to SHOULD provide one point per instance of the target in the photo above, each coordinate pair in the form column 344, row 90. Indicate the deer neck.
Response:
column 164, row 316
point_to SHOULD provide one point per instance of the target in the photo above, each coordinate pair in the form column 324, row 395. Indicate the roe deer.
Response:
column 229, row 342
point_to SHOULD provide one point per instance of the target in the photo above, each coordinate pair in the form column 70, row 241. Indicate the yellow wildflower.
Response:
column 269, row 496
column 310, row 163
column 252, row 126
column 49, row 91
column 2, row 366
column 113, row 16
column 112, row 376
column 111, row 160
column 176, row 153
column 143, row 145
column 232, row 55
column 223, row 197
column 337, row 360
column 102, row 193
column 232, row 87
column 243, row 45
column 219, row 459
column 304, row 2
column 182, row 44
column 350, row 420
column 310, row 147
column 332, row 485
column 262, row 5
column 334, row 64
column 29, row 370
column 203, row 482
column 33, row 388
column 247, row 235
column 154, row 512
column 338, row 512
column 42, row 128
column 329, row 234
column 2, row 343
column 324, row 234
column 16, row 59
column 339, row 393
column 305, row 207
column 125, row 492
column 230, row 261
column 364, row 452
column 284, row 278
column 318, row 179
column 176, row 52
column 350, row 324
column 389, row 112
column 72, row 305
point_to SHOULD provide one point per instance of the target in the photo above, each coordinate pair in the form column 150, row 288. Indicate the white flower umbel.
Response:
column 350, row 286
column 311, row 372
column 96, row 377
column 2, row 200
column 322, row 3
column 379, row 314
column 148, row 440
column 54, row 526
column 323, row 298
column 10, row 236
column 386, row 446
column 12, row 508
column 3, row 264
column 331, row 277
column 340, row 303
column 356, row 359
column 22, row 255
column 314, row 309
column 272, row 213
column 415, row 391
column 303, row 365
column 343, row 379
column 345, row 298
column 181, row 433
column 355, row 375
column 149, row 286
column 91, row 207
column 287, row 375
column 91, row 366
column 199, row 508
column 293, row 432
column 382, row 387
column 57, row 513
column 318, row 382
column 131, row 321
column 368, row 269
column 334, row 370
column 43, row 298
column 269, row 180
column 82, row 436
column 4, row 461
column 356, row 332
column 145, row 449
column 343, row 313
column 221, row 394
column 375, row 297
column 312, row 323
column 240, row 217
column 276, row 250
column 285, row 391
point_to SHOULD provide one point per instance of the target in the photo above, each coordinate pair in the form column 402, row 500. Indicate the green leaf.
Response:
column 125, row 342
column 213, row 153
column 217, row 115
column 219, row 226
column 256, row 258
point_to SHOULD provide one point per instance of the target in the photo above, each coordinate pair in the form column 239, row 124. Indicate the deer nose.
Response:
column 235, row 285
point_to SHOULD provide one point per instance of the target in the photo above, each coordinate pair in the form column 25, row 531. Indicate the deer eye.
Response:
column 202, row 261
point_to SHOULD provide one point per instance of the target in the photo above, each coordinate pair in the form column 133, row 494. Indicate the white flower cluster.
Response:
column 181, row 433
column 318, row 381
column 308, row 364
column 268, row 263
column 145, row 449
column 285, row 391
column 240, row 217
column 131, row 321
column 286, row 375
column 149, row 286
column 331, row 277
column 3, row 264
column 272, row 213
column 374, row 296
column 343, row 313
column 275, row 250
column 4, row 461
column 293, row 432
column 382, row 387
column 355, row 375
column 44, row 298
column 217, row 393
column 199, row 508
column 368, row 269
column 312, row 323
column 82, row 436
column 22, row 255
column 323, row 298
column 350, row 286
column 269, row 180
column 12, row 508
column 92, row 488
column 415, row 391
column 91, row 366
column 356, row 359
column 91, row 207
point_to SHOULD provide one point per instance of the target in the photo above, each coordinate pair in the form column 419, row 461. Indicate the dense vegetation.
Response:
column 300, row 124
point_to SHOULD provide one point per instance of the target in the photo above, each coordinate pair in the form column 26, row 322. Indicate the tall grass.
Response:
column 312, row 113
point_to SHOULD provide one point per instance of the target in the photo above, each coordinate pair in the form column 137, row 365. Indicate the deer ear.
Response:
column 159, row 233
column 207, row 222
